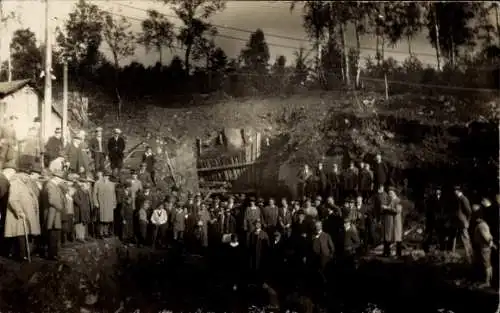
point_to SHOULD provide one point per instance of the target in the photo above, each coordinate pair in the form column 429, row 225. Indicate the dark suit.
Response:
column 350, row 182
column 270, row 215
column 334, row 185
column 436, row 222
column 116, row 149
column 258, row 249
column 365, row 183
column 322, row 250
column 322, row 183
column 380, row 174
column 285, row 218
column 98, row 153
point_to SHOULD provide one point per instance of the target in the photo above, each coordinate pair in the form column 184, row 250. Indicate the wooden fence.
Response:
column 241, row 167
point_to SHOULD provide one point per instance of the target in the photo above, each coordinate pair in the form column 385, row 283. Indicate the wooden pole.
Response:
column 386, row 87
column 65, row 102
column 47, row 103
column 1, row 35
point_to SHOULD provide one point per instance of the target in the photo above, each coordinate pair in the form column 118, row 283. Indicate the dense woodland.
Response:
column 466, row 38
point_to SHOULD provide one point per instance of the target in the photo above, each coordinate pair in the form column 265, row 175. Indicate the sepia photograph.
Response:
column 249, row 156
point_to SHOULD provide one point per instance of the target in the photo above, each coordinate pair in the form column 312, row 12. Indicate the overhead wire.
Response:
column 447, row 87
column 224, row 36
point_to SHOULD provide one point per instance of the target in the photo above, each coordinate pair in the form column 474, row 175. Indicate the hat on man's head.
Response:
column 117, row 131
column 147, row 186
column 457, row 188
column 98, row 129
column 107, row 173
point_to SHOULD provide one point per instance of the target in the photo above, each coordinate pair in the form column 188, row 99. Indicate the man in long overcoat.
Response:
column 22, row 216
column 52, row 204
column 104, row 197
column 116, row 150
column 392, row 222
column 258, row 246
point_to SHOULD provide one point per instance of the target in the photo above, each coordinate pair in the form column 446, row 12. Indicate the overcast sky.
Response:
column 274, row 18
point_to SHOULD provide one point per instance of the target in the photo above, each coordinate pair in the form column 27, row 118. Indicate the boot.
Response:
column 387, row 249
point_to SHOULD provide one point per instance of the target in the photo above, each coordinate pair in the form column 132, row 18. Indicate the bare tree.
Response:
column 121, row 41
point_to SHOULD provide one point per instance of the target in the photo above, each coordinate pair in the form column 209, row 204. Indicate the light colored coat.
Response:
column 53, row 204
column 23, row 197
column 392, row 221
column 105, row 199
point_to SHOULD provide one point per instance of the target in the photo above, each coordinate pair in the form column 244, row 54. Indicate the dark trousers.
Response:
column 127, row 233
column 67, row 230
column 152, row 174
column 15, row 246
column 440, row 231
column 105, row 229
column 99, row 158
column 159, row 235
column 387, row 248
column 143, row 232
column 178, row 235
column 53, row 237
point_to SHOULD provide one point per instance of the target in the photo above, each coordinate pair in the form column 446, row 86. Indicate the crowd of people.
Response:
column 339, row 214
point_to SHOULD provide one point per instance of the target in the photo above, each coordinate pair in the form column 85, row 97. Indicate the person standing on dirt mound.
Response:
column 96, row 146
column 116, row 151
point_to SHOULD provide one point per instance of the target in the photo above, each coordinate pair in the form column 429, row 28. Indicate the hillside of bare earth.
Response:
column 409, row 130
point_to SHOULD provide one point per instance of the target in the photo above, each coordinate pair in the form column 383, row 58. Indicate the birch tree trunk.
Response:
column 345, row 55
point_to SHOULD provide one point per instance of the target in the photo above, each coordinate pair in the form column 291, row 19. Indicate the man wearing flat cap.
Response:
column 96, row 146
column 116, row 150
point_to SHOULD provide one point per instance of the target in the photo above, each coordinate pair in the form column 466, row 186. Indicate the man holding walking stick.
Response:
column 22, row 216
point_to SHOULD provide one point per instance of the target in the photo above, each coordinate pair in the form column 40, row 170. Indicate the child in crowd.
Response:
column 159, row 219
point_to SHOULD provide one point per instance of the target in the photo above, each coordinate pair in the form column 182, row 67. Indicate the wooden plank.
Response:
column 218, row 168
